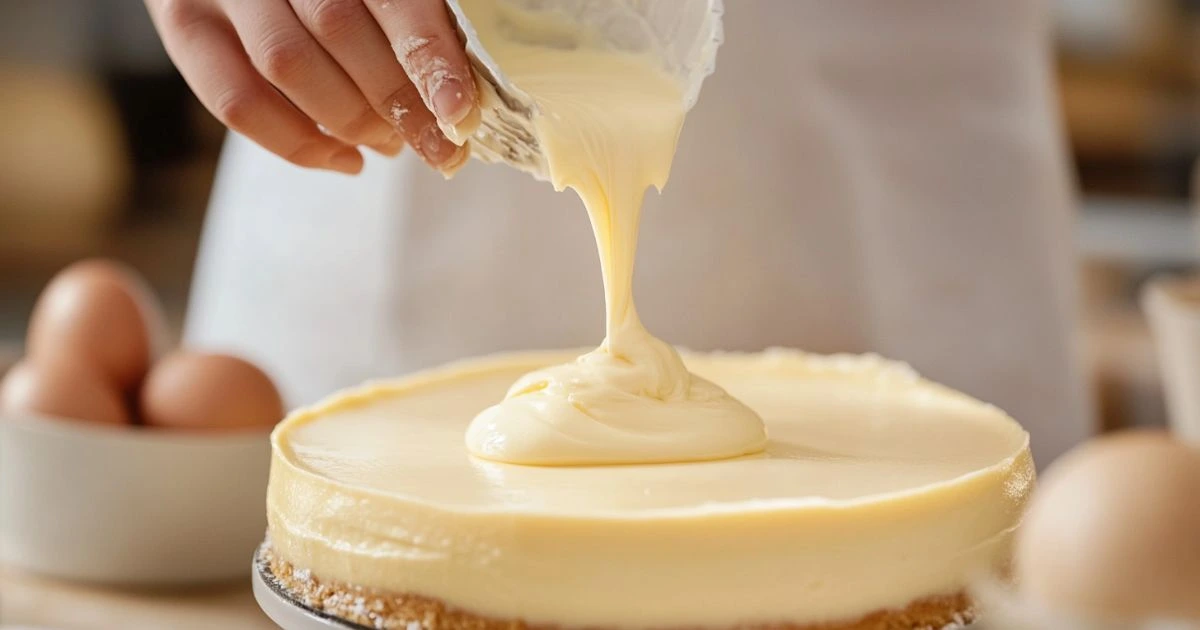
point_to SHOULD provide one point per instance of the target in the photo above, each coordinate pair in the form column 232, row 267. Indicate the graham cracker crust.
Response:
column 365, row 609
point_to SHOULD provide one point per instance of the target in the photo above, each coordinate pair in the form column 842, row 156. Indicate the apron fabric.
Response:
column 857, row 176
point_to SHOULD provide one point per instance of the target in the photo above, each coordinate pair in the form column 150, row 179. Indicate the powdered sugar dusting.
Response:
column 437, row 79
column 411, row 45
column 428, row 72
column 398, row 112
column 434, row 73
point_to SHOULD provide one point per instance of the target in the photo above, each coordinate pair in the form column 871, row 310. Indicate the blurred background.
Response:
column 103, row 151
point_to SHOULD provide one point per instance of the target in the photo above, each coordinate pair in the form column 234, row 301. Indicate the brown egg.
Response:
column 99, row 313
column 195, row 391
column 1114, row 530
column 62, row 390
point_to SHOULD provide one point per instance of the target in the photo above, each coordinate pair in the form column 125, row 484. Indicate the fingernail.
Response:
column 391, row 148
column 452, row 102
column 346, row 160
column 451, row 166
column 435, row 147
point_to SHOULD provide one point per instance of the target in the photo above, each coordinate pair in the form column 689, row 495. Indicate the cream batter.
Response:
column 608, row 126
column 877, row 488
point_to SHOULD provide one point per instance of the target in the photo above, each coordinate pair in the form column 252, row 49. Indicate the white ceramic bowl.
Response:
column 129, row 505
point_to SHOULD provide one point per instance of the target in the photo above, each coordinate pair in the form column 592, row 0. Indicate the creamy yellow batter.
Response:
column 608, row 125
column 877, row 488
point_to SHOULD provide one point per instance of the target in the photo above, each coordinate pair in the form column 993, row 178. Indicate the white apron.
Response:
column 857, row 176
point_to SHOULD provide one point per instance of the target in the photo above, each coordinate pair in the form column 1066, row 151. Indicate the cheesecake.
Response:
column 878, row 497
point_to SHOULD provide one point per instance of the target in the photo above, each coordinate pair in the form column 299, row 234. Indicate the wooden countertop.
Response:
column 47, row 604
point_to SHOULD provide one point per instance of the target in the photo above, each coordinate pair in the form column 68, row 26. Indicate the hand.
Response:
column 310, row 80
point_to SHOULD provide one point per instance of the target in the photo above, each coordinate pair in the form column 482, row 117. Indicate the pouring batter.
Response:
column 608, row 125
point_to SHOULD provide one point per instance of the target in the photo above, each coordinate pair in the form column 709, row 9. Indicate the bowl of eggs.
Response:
column 121, row 462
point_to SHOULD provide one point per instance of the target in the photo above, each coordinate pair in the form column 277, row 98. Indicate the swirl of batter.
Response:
column 608, row 125
column 614, row 407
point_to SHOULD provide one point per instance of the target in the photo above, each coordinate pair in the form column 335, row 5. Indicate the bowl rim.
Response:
column 58, row 427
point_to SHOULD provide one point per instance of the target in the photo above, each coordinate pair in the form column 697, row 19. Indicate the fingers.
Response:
column 352, row 37
column 427, row 45
column 289, row 74
column 421, row 130
column 212, row 60
column 283, row 51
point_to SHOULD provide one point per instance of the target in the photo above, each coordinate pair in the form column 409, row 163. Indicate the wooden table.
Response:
column 46, row 604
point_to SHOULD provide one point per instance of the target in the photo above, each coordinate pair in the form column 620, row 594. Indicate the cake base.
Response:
column 361, row 608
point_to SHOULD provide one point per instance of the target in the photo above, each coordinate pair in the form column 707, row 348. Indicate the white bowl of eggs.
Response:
column 123, row 464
